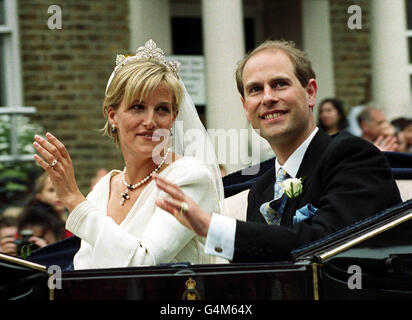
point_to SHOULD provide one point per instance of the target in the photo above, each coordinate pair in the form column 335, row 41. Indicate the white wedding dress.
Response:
column 148, row 235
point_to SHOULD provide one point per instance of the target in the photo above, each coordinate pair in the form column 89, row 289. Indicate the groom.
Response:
column 341, row 179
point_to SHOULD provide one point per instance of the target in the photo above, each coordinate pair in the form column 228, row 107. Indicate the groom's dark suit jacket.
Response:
column 346, row 178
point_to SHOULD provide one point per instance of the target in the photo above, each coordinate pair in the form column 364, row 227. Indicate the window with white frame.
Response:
column 2, row 75
column 12, row 112
column 10, row 72
column 408, row 6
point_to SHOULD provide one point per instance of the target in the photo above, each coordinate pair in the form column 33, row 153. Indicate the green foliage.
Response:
column 25, row 131
column 17, row 178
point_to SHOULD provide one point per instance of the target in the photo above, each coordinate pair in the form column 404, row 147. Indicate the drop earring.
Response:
column 114, row 129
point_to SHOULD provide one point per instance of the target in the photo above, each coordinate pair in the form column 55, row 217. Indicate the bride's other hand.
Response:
column 194, row 218
column 56, row 161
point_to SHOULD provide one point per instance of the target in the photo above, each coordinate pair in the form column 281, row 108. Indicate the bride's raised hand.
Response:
column 56, row 161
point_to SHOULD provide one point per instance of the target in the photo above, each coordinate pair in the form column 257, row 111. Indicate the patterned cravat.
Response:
column 272, row 210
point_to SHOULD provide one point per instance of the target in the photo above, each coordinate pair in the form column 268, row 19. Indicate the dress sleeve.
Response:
column 164, row 237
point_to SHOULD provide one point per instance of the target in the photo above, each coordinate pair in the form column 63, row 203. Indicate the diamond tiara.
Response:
column 149, row 51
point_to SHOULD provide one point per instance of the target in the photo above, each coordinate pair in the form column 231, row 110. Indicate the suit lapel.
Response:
column 262, row 191
column 306, row 170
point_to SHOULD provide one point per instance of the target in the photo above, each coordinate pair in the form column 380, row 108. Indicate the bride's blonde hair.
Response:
column 136, row 80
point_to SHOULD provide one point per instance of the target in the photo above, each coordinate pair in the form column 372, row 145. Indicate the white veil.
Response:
column 190, row 138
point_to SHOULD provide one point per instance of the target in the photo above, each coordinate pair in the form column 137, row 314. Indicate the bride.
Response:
column 119, row 222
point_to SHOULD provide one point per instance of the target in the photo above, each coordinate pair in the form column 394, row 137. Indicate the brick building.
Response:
column 63, row 72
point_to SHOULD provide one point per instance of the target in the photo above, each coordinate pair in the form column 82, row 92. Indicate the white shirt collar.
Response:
column 292, row 164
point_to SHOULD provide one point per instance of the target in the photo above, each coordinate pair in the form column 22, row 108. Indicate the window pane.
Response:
column 2, row 12
column 410, row 49
column 408, row 5
column 2, row 75
column 410, row 81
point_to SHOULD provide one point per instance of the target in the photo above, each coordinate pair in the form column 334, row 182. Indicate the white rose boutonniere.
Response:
column 293, row 187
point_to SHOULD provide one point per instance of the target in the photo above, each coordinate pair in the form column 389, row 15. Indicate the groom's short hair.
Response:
column 299, row 58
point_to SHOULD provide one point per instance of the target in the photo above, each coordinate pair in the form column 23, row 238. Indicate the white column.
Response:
column 317, row 42
column 390, row 78
column 150, row 20
column 14, row 85
column 224, row 46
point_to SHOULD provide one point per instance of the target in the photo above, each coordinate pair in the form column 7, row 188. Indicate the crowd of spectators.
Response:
column 37, row 223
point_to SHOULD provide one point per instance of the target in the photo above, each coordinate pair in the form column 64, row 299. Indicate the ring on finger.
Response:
column 53, row 163
column 183, row 208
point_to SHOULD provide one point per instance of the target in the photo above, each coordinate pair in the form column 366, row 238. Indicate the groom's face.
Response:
column 275, row 101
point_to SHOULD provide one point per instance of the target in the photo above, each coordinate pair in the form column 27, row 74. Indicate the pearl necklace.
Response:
column 125, row 194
